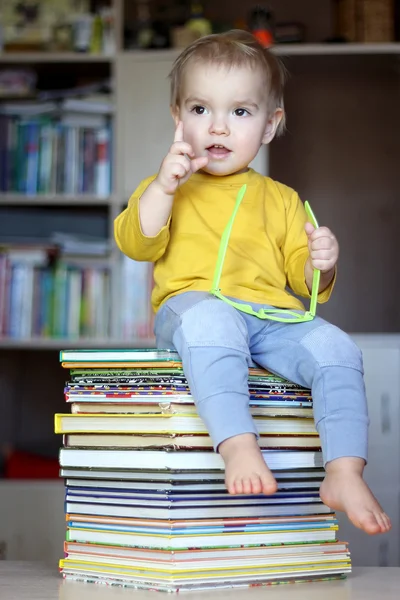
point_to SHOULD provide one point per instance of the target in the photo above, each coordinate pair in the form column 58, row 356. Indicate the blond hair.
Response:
column 235, row 48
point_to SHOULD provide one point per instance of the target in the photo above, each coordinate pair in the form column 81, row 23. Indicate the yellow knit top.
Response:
column 267, row 249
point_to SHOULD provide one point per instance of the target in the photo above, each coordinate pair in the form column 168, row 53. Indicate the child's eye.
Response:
column 199, row 110
column 241, row 112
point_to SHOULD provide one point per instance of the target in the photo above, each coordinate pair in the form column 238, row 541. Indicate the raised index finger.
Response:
column 178, row 137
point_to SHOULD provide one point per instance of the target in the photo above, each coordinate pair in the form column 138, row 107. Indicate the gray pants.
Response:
column 217, row 344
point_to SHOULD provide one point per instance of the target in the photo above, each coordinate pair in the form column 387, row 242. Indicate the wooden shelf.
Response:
column 56, row 57
column 335, row 49
column 286, row 50
column 171, row 53
column 63, row 343
column 54, row 200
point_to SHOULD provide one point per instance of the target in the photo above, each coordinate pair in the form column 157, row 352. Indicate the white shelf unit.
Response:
column 381, row 354
column 90, row 66
column 35, row 524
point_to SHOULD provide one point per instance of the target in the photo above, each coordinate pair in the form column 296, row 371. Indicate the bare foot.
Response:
column 345, row 490
column 245, row 468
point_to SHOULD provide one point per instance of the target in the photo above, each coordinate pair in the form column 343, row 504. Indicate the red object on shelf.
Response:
column 24, row 465
column 264, row 37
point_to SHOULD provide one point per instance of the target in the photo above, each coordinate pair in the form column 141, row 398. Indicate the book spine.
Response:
column 32, row 158
column 45, row 158
column 103, row 164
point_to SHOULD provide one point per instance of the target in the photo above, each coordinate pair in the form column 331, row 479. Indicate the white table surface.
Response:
column 35, row 581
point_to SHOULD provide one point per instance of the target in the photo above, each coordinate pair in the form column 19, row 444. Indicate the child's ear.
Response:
column 175, row 114
column 272, row 126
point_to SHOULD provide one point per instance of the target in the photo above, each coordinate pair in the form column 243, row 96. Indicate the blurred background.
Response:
column 84, row 117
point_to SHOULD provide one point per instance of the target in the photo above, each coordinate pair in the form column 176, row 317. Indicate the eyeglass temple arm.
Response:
column 317, row 272
column 224, row 245
column 224, row 241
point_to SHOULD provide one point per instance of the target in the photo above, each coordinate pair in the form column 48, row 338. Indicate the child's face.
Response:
column 225, row 117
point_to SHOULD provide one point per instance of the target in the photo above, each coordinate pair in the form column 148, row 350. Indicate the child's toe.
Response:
column 387, row 522
column 370, row 523
column 269, row 486
column 238, row 486
column 246, row 485
column 256, row 486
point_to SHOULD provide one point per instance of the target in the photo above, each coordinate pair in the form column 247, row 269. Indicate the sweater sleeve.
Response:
column 295, row 250
column 128, row 233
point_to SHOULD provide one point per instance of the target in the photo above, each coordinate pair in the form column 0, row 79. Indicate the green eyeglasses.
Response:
column 274, row 314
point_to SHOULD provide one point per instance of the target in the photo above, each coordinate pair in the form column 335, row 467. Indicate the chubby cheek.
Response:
column 194, row 138
column 253, row 131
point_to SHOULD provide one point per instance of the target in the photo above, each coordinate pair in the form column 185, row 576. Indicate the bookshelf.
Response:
column 141, row 113
column 69, row 210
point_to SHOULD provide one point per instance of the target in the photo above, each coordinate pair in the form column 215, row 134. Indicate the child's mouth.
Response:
column 218, row 151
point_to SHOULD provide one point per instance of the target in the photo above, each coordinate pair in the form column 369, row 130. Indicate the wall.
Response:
column 316, row 15
column 31, row 391
column 341, row 153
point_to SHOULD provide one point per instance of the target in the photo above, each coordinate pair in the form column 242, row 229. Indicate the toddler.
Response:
column 226, row 101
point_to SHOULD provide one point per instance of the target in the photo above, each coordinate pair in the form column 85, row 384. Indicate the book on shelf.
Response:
column 170, row 405
column 109, row 574
column 163, row 460
column 213, row 533
column 41, row 295
column 200, row 556
column 43, row 153
column 298, row 481
column 120, row 355
column 62, row 288
column 142, row 392
column 175, row 499
column 169, row 376
column 85, row 247
column 97, row 475
column 170, row 423
column 325, row 522
column 94, row 104
column 137, row 278
column 210, row 510
column 180, row 441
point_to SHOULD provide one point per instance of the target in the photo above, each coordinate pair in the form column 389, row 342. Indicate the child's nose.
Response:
column 219, row 127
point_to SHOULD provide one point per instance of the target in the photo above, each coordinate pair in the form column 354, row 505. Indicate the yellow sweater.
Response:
column 267, row 249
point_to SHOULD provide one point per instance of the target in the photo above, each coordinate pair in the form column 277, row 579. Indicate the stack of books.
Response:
column 146, row 505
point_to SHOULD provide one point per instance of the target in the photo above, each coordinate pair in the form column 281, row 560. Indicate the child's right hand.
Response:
column 179, row 164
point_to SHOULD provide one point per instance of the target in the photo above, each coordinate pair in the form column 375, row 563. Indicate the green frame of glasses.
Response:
column 274, row 314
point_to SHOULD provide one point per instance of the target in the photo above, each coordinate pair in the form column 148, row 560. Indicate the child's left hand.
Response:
column 323, row 247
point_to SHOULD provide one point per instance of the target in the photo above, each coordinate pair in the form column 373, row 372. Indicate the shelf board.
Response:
column 286, row 50
column 63, row 343
column 54, row 200
column 335, row 49
column 171, row 53
column 53, row 57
